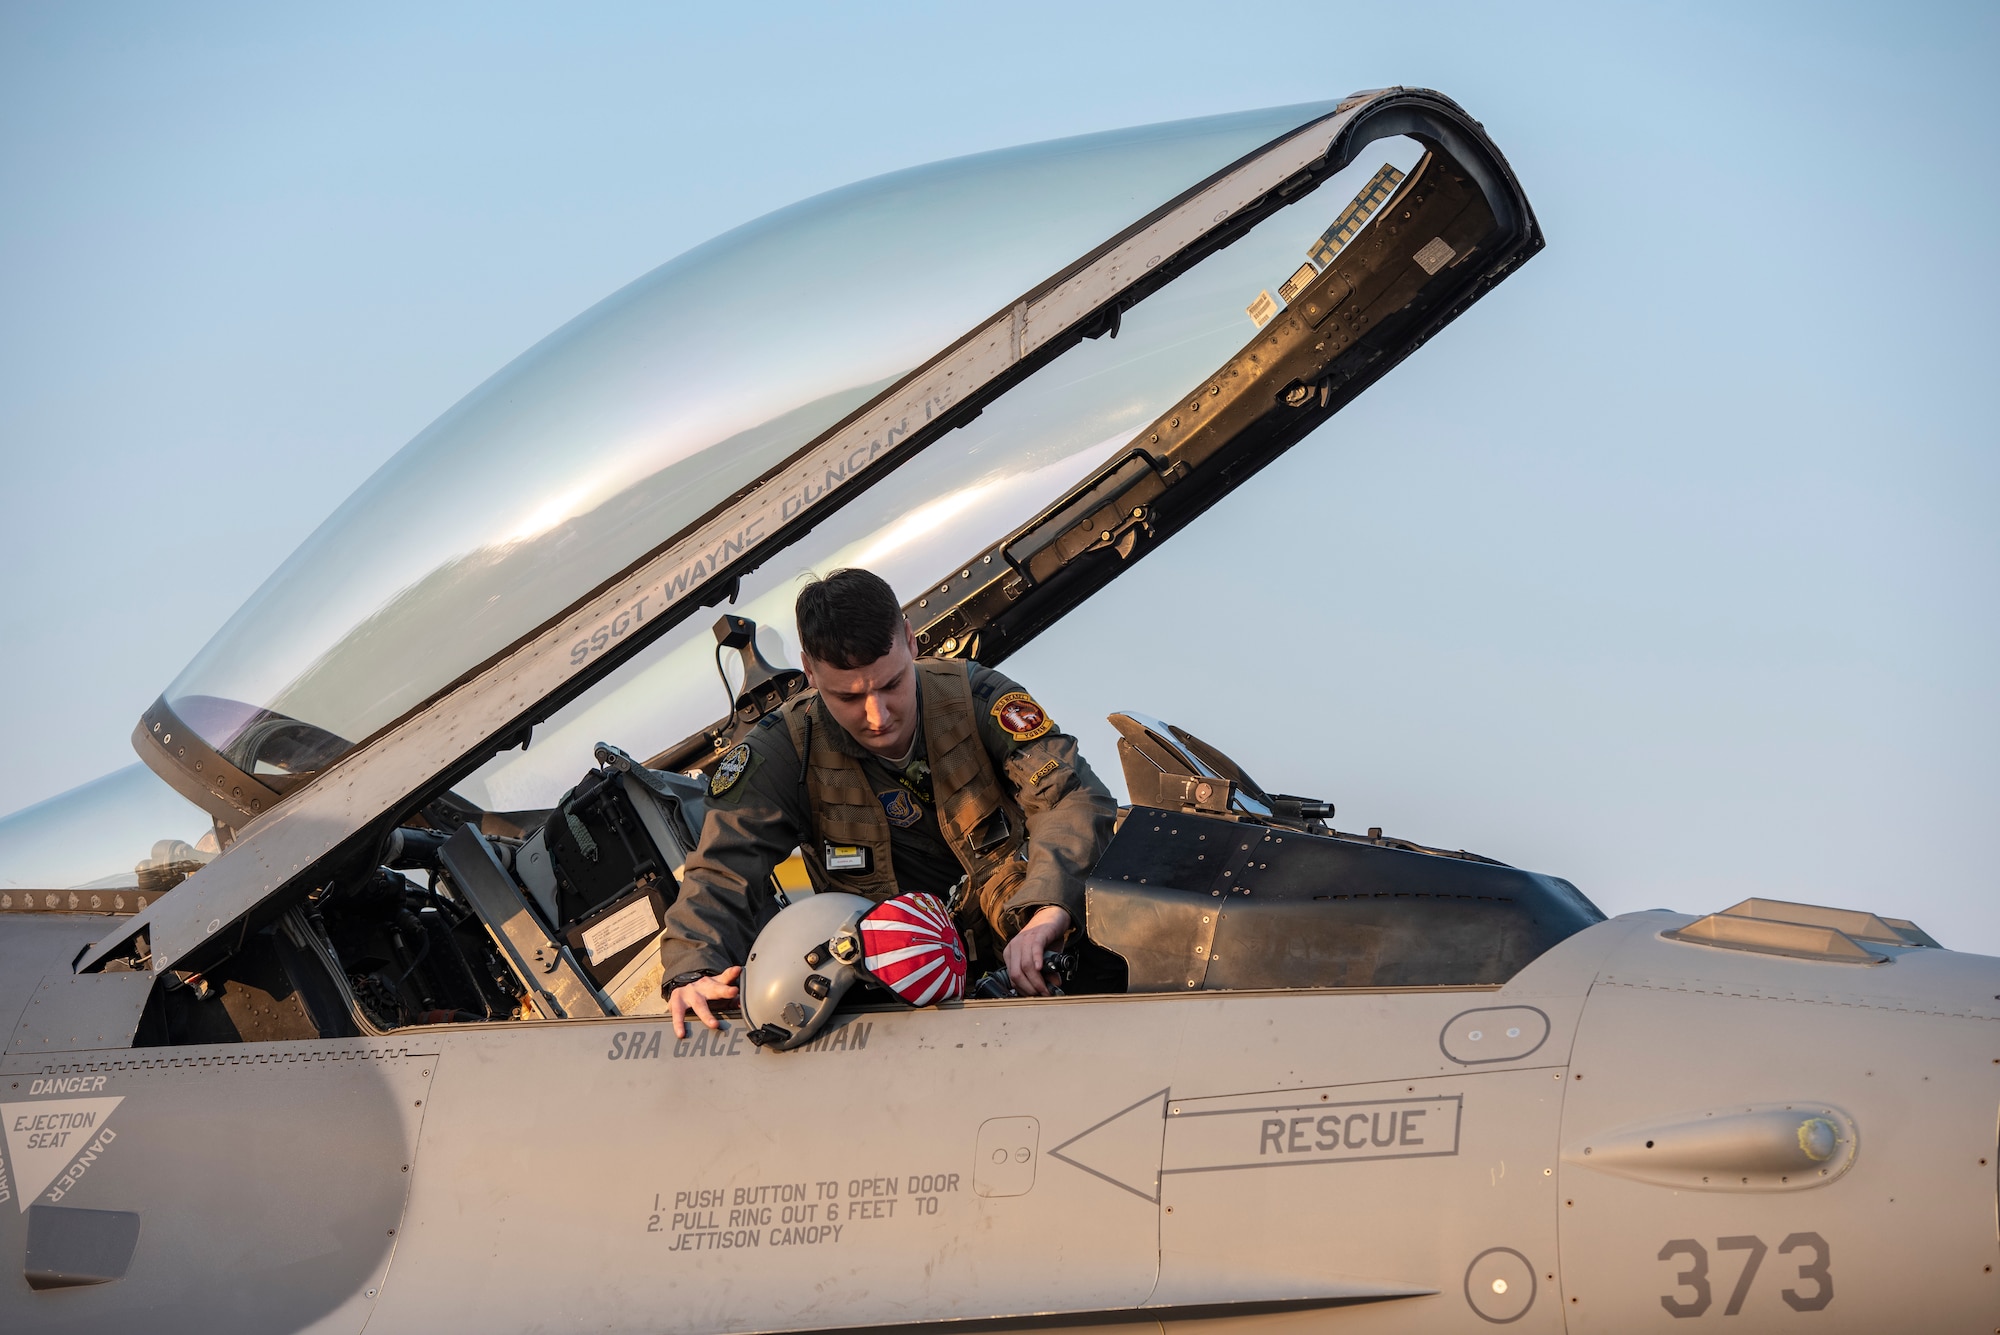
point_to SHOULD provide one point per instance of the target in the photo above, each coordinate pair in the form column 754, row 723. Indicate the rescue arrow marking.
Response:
column 1124, row 1148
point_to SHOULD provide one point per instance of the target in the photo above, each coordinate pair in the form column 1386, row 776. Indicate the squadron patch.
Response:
column 729, row 770
column 1020, row 717
column 901, row 808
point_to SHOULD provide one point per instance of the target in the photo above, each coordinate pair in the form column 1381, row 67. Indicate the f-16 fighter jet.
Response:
column 345, row 1010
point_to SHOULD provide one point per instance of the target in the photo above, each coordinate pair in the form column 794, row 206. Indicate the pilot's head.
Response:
column 859, row 651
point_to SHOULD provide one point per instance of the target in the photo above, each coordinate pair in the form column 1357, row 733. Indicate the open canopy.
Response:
column 911, row 373
column 643, row 414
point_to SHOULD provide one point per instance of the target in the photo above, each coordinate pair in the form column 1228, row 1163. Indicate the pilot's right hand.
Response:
column 693, row 998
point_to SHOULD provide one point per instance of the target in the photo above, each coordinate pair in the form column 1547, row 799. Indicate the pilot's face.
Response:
column 876, row 702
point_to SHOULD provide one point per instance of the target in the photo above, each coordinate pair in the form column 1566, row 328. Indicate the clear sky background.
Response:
column 1672, row 568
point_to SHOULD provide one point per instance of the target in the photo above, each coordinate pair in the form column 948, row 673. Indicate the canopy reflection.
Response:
column 964, row 492
column 637, row 417
column 97, row 834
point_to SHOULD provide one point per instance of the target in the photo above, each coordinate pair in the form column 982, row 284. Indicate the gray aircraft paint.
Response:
column 585, row 1173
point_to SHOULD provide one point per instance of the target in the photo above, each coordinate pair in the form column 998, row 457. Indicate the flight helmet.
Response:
column 814, row 952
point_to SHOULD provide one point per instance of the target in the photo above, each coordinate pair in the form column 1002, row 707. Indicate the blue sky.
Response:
column 1671, row 569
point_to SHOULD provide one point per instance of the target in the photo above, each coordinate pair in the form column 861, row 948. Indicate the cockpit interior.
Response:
column 1210, row 883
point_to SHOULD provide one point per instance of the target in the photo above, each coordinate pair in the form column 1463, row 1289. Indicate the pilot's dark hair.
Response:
column 849, row 619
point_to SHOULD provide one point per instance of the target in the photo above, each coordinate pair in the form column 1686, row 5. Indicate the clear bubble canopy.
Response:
column 629, row 424
column 643, row 413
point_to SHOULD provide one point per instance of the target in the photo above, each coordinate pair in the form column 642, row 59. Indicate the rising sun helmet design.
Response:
column 813, row 953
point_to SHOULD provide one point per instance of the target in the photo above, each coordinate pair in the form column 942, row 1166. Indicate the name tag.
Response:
column 848, row 857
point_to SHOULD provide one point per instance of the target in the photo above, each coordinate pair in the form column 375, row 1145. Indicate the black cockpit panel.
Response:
column 1196, row 903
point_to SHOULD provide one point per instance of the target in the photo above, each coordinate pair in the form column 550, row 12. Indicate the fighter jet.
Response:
column 344, row 1011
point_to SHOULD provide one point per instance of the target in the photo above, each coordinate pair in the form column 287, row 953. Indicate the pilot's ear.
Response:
column 909, row 637
column 806, row 664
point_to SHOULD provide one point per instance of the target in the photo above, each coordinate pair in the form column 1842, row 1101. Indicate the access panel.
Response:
column 205, row 1189
column 1330, row 1150
column 1780, row 1144
column 974, row 1161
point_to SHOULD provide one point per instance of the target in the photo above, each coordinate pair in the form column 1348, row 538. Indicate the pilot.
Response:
column 892, row 773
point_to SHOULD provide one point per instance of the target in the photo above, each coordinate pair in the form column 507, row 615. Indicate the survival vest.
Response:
column 979, row 819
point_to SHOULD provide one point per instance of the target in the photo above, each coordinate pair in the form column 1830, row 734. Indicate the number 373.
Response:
column 1808, row 1297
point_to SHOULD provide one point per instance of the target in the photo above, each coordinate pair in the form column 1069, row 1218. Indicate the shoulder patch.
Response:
column 729, row 770
column 1020, row 717
column 771, row 720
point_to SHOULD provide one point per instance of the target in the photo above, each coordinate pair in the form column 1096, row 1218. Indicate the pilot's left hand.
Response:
column 693, row 999
column 1023, row 955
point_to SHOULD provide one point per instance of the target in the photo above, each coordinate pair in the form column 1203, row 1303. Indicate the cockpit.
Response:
column 999, row 382
column 1211, row 883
